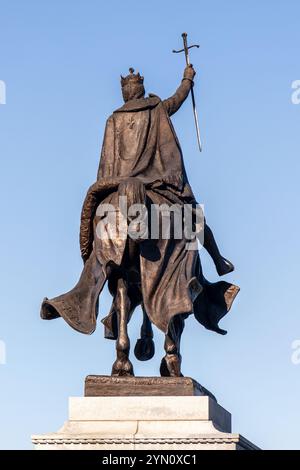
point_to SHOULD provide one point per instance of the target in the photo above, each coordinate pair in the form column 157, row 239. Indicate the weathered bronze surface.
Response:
column 142, row 161
column 103, row 386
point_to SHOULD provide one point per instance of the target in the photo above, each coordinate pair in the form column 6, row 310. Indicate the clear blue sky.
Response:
column 61, row 62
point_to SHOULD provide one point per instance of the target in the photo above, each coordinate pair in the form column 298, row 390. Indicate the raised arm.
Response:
column 173, row 103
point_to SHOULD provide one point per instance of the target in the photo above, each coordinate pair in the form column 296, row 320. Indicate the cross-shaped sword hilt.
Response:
column 186, row 48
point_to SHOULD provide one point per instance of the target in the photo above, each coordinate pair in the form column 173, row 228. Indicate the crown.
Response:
column 134, row 78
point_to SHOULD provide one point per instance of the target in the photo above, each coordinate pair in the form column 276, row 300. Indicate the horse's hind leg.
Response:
column 122, row 365
column 171, row 364
column 144, row 348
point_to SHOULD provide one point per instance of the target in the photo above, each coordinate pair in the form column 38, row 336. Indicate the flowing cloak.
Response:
column 140, row 144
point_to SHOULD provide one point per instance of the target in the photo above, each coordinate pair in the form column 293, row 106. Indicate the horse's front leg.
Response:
column 122, row 365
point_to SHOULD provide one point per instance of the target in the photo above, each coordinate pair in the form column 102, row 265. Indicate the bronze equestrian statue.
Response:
column 142, row 162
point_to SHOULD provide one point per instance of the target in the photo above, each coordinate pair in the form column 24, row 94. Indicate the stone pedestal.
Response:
column 192, row 421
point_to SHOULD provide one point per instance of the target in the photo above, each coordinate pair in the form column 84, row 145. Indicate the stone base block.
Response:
column 144, row 422
column 107, row 386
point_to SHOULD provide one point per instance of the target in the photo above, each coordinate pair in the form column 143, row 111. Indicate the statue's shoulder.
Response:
column 109, row 122
column 152, row 95
column 110, row 118
column 140, row 104
column 153, row 100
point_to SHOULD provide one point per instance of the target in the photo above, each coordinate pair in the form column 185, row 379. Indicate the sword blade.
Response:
column 196, row 120
column 187, row 59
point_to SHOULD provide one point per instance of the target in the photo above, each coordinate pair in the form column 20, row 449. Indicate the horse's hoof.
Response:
column 122, row 368
column 224, row 266
column 144, row 349
column 170, row 366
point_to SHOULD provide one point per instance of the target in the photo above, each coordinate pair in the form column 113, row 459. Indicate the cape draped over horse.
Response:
column 141, row 159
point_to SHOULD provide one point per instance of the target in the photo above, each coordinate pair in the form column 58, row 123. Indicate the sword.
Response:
column 187, row 59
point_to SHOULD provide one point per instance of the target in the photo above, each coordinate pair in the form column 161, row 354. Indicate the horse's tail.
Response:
column 144, row 348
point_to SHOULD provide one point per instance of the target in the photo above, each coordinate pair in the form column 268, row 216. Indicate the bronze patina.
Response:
column 142, row 162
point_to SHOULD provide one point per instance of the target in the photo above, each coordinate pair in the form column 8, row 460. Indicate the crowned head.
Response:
column 132, row 86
